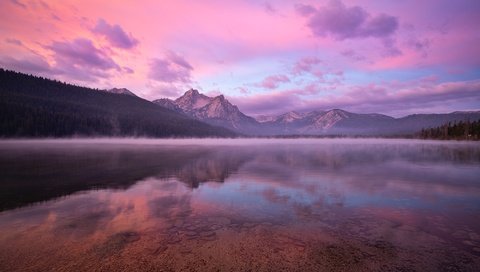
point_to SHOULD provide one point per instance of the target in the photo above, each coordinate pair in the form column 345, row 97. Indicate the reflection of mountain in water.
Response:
column 214, row 166
column 42, row 172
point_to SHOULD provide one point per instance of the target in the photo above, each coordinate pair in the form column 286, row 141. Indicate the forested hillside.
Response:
column 32, row 106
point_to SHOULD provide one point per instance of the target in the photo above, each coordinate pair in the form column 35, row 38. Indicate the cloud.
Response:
column 304, row 10
column 424, row 95
column 272, row 82
column 70, row 60
column 18, row 3
column 82, row 53
column 81, row 60
column 342, row 22
column 172, row 68
column 276, row 102
column 419, row 96
column 269, row 8
column 305, row 65
column 168, row 90
column 14, row 42
column 31, row 65
column 352, row 55
column 115, row 35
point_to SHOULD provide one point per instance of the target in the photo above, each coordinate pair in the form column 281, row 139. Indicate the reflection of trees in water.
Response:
column 39, row 173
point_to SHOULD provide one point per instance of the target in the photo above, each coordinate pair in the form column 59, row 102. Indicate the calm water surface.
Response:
column 236, row 205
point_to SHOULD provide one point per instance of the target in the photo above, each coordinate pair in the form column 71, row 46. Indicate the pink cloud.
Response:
column 115, row 35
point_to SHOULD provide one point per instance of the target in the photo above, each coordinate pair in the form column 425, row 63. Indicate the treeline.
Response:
column 33, row 106
column 462, row 130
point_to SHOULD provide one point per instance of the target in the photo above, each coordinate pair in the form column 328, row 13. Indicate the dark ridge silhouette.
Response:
column 32, row 106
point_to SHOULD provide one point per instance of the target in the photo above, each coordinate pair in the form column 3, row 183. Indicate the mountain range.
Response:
column 219, row 111
column 32, row 106
column 212, row 110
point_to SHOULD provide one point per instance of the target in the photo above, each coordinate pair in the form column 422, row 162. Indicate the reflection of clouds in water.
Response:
column 170, row 206
column 332, row 172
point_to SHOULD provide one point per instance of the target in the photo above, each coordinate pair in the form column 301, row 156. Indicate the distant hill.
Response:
column 32, row 106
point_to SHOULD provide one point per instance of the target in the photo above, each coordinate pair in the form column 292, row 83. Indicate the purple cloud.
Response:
column 271, row 103
column 170, row 69
column 18, row 3
column 269, row 8
column 305, row 65
column 31, row 65
column 341, row 22
column 304, row 10
column 415, row 97
column 81, row 60
column 168, row 90
column 14, row 41
column 272, row 82
column 72, row 60
column 128, row 70
column 115, row 35
column 352, row 55
column 424, row 97
column 82, row 53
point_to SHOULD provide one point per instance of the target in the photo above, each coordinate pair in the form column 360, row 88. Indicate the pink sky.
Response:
column 268, row 57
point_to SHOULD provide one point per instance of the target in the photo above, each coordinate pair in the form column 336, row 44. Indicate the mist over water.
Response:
column 233, row 204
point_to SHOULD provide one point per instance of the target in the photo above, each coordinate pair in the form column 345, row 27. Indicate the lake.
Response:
column 239, row 205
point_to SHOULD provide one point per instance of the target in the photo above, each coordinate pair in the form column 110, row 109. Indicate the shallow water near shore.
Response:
column 239, row 205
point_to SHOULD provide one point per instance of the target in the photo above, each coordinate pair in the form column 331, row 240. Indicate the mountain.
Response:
column 212, row 110
column 37, row 107
column 168, row 103
column 220, row 112
column 265, row 118
column 330, row 122
column 192, row 100
column 340, row 122
column 120, row 91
